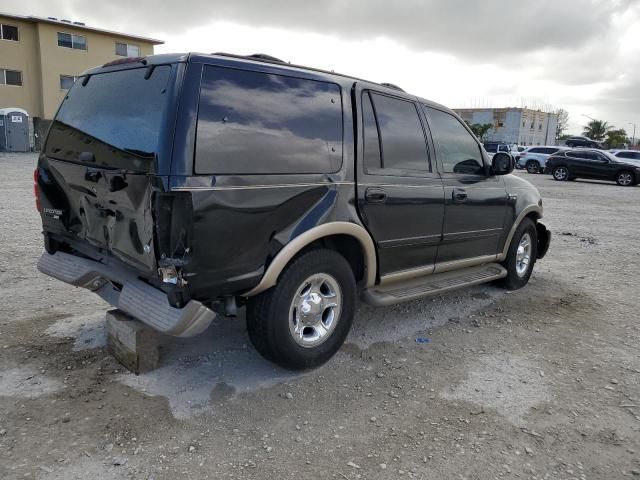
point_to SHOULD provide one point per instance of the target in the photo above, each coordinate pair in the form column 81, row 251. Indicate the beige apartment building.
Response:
column 41, row 57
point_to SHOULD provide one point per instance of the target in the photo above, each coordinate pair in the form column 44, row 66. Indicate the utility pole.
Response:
column 633, row 138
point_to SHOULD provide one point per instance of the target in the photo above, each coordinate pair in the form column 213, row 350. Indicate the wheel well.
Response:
column 347, row 246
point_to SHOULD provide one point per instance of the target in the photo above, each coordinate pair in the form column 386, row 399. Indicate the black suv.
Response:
column 584, row 163
column 586, row 142
column 176, row 186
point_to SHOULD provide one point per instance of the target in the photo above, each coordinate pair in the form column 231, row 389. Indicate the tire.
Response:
column 561, row 174
column 625, row 178
column 533, row 167
column 280, row 329
column 517, row 273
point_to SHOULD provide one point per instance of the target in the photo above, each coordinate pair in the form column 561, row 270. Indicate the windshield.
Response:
column 112, row 119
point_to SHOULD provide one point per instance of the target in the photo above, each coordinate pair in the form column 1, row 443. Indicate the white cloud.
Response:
column 576, row 54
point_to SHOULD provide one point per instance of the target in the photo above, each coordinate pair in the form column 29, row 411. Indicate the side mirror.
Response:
column 501, row 164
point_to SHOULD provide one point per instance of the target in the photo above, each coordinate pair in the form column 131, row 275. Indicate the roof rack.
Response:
column 391, row 85
column 260, row 57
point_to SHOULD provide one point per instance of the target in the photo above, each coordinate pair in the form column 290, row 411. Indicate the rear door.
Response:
column 476, row 203
column 97, row 174
column 400, row 193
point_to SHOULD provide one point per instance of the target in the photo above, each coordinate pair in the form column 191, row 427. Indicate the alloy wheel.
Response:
column 523, row 255
column 315, row 310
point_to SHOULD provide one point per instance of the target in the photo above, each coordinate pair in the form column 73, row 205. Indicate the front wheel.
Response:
column 521, row 256
column 561, row 174
column 625, row 179
column 533, row 167
column 303, row 321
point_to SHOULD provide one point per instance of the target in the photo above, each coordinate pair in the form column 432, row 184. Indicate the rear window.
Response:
column 115, row 116
column 491, row 147
column 262, row 123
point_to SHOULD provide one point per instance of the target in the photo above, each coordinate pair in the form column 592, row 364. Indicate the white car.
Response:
column 533, row 159
column 633, row 155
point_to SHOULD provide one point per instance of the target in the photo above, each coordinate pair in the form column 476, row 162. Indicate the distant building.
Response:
column 40, row 59
column 514, row 125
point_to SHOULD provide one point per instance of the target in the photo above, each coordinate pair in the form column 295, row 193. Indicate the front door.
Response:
column 476, row 203
column 400, row 193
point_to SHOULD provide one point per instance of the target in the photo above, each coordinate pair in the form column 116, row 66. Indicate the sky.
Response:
column 580, row 55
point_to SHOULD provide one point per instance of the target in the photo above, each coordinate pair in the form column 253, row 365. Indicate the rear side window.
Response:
column 456, row 147
column 632, row 155
column 402, row 140
column 261, row 123
column 549, row 151
column 536, row 150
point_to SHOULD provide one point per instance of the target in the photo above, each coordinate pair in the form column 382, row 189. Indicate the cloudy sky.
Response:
column 581, row 55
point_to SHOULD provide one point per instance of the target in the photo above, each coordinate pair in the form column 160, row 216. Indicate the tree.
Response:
column 480, row 129
column 563, row 122
column 616, row 138
column 597, row 130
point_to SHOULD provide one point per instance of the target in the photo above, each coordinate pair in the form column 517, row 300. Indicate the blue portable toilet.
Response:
column 14, row 130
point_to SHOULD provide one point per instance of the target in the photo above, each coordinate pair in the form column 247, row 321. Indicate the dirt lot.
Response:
column 539, row 383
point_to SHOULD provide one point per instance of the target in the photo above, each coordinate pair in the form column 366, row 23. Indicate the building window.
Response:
column 67, row 81
column 9, row 32
column 127, row 50
column 540, row 127
column 10, row 77
column 68, row 40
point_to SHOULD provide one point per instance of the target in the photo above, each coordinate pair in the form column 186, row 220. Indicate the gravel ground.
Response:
column 539, row 383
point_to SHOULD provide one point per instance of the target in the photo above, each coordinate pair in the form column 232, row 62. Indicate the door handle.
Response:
column 459, row 195
column 375, row 195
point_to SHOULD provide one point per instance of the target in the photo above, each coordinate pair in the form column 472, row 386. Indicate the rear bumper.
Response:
column 137, row 298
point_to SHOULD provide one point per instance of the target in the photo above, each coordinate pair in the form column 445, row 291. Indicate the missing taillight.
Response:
column 173, row 217
column 36, row 189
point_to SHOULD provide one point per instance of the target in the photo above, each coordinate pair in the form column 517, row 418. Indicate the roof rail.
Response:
column 265, row 57
column 260, row 57
column 391, row 85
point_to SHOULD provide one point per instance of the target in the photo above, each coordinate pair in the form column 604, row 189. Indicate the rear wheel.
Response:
column 521, row 256
column 561, row 174
column 625, row 178
column 302, row 321
column 533, row 166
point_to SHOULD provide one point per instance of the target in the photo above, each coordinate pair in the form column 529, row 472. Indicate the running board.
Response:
column 432, row 284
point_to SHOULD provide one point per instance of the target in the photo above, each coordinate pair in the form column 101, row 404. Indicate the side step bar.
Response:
column 432, row 284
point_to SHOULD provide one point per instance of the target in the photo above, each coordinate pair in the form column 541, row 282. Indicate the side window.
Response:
column 456, row 147
column 536, row 150
column 261, row 123
column 549, row 151
column 402, row 140
column 632, row 155
column 372, row 158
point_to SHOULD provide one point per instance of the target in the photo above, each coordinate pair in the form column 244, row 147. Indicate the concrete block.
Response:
column 135, row 345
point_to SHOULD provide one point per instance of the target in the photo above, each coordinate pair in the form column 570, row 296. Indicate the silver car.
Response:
column 533, row 159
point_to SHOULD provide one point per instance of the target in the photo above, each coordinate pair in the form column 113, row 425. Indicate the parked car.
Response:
column 596, row 164
column 533, row 158
column 493, row 147
column 176, row 186
column 585, row 142
column 626, row 154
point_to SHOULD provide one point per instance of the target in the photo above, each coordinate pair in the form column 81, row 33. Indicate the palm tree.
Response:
column 597, row 130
